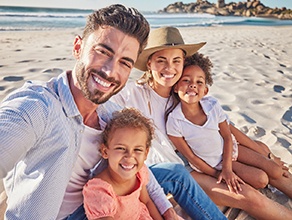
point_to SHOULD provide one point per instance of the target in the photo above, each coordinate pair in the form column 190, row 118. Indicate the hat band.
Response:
column 175, row 44
column 172, row 44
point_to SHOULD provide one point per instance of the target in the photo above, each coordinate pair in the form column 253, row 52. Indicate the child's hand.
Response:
column 232, row 180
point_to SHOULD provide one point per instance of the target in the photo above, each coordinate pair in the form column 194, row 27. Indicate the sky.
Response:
column 147, row 5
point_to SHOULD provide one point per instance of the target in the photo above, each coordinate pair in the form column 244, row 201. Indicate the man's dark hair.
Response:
column 128, row 20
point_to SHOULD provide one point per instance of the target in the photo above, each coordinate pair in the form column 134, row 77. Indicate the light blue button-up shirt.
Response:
column 40, row 136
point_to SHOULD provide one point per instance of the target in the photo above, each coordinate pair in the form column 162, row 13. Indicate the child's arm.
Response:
column 182, row 146
column 227, row 174
column 145, row 198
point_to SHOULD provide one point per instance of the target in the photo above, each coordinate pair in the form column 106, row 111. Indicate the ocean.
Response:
column 32, row 18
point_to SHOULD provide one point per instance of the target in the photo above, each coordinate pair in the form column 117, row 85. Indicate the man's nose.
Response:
column 110, row 68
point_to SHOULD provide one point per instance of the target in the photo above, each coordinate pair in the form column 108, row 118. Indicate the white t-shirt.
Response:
column 205, row 141
column 153, row 106
column 86, row 160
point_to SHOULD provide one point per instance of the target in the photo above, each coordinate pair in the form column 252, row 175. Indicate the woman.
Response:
column 167, row 167
column 162, row 61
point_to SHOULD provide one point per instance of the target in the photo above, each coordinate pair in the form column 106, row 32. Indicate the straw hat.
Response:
column 165, row 38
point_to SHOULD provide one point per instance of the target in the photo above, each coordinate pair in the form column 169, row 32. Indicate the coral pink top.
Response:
column 100, row 200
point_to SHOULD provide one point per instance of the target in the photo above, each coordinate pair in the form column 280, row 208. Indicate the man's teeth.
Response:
column 103, row 83
column 127, row 166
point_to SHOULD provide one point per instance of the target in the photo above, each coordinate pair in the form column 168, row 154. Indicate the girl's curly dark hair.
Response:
column 129, row 118
column 203, row 62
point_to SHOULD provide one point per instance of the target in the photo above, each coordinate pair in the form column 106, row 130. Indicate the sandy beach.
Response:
column 252, row 75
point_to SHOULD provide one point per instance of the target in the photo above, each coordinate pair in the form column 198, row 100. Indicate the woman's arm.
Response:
column 157, row 195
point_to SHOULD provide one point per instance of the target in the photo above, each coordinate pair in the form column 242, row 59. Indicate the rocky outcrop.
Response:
column 251, row 8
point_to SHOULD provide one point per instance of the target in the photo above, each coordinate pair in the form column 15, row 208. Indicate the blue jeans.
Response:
column 176, row 180
column 78, row 214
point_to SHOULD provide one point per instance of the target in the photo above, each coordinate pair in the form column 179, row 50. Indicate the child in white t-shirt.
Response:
column 199, row 128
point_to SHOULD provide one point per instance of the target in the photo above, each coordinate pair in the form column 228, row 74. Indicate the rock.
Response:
column 251, row 8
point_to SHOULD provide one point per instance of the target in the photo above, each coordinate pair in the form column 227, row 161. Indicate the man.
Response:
column 50, row 132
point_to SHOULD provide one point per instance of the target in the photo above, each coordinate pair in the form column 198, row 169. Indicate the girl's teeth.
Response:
column 128, row 167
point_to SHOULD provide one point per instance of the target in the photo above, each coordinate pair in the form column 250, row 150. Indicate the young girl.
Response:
column 198, row 127
column 119, row 191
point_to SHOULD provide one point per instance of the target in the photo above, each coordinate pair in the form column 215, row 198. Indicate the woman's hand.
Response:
column 231, row 179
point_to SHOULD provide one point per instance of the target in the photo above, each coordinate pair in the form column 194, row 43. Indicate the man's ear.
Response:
column 103, row 151
column 77, row 47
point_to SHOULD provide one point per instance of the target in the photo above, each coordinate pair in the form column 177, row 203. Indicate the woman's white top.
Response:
column 153, row 106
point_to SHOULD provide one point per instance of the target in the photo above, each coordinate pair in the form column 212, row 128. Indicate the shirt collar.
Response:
column 60, row 86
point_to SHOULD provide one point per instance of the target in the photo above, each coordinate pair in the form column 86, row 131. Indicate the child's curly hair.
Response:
column 129, row 118
column 203, row 62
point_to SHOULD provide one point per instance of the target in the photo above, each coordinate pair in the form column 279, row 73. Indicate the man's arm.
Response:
column 21, row 121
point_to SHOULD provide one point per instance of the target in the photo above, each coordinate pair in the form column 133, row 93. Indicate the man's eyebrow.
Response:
column 129, row 60
column 106, row 47
column 112, row 51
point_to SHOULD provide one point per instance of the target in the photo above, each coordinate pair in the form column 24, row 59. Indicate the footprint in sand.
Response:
column 25, row 61
column 279, row 88
column 281, row 138
column 53, row 70
column 287, row 119
column 35, row 70
column 59, row 59
column 254, row 131
column 230, row 108
column 13, row 78
column 247, row 118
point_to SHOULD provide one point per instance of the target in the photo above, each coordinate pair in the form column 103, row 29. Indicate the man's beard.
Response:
column 96, row 96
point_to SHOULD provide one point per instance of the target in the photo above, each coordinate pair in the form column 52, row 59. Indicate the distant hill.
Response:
column 251, row 8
